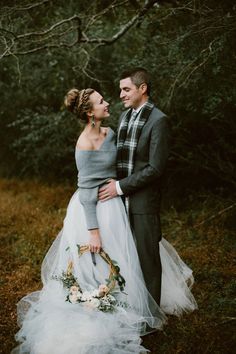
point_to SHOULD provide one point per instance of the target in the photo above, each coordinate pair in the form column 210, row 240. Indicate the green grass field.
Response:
column 32, row 213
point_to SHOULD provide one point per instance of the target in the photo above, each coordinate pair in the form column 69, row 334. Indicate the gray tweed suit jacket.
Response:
column 143, row 186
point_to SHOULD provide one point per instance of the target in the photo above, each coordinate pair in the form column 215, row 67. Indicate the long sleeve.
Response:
column 88, row 198
column 158, row 155
column 95, row 167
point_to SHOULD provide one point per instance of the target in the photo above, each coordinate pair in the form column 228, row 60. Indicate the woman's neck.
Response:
column 93, row 130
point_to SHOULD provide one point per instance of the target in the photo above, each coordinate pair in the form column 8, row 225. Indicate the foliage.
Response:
column 188, row 46
column 50, row 143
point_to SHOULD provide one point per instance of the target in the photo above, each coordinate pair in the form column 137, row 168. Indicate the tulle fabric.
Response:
column 51, row 325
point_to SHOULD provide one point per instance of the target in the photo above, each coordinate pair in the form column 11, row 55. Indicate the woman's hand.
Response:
column 95, row 243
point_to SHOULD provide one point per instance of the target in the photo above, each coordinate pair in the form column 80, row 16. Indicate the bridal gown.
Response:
column 51, row 325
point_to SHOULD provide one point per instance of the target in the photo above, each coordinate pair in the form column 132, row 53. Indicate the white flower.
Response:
column 105, row 300
column 86, row 293
column 74, row 290
column 73, row 298
column 95, row 303
column 95, row 293
column 111, row 298
column 79, row 295
column 86, row 296
column 92, row 304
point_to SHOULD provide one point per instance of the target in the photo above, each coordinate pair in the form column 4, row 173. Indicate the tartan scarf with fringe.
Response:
column 127, row 142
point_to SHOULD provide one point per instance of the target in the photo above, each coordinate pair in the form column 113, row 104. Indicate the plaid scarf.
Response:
column 127, row 143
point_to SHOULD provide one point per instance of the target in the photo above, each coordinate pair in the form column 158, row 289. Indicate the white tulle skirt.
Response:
column 50, row 325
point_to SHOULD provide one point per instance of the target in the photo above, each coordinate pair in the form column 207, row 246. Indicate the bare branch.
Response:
column 103, row 12
column 7, row 51
column 148, row 4
column 46, row 46
column 208, row 51
column 215, row 215
column 8, row 32
column 26, row 8
column 39, row 41
column 43, row 33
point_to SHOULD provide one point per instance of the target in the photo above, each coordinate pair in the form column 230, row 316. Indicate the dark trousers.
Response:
column 147, row 234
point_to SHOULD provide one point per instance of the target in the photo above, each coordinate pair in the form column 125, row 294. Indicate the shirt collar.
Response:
column 137, row 110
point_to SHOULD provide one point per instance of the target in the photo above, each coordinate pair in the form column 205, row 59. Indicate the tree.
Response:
column 187, row 45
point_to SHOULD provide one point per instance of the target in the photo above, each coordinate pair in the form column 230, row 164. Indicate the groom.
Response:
column 142, row 144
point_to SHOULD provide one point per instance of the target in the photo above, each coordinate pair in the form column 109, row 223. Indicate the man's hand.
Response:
column 108, row 191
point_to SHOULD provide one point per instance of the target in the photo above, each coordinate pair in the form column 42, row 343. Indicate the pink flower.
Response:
column 103, row 290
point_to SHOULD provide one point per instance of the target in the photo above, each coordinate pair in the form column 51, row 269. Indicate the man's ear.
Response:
column 143, row 88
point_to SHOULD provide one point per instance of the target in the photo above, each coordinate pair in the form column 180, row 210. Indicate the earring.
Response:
column 93, row 122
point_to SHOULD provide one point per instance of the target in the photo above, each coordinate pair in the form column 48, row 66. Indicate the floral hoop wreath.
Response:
column 114, row 275
column 102, row 298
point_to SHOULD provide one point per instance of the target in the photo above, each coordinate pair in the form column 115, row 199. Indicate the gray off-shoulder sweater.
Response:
column 95, row 168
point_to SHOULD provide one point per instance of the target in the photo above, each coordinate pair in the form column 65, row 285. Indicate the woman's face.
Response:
column 99, row 106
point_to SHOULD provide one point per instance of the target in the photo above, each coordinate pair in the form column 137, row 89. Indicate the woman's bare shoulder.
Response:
column 105, row 130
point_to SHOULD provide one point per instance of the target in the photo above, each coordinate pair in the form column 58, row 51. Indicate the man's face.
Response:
column 130, row 94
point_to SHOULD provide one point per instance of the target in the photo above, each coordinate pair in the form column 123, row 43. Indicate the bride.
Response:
column 94, row 299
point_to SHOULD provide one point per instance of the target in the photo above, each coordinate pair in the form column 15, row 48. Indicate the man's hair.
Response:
column 138, row 76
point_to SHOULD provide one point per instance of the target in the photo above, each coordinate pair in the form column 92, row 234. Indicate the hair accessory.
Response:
column 82, row 95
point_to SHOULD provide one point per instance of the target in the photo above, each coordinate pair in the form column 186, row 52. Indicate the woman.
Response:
column 49, row 324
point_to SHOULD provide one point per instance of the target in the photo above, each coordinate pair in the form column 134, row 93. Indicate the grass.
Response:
column 31, row 215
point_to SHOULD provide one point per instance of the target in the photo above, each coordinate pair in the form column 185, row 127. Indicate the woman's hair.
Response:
column 78, row 102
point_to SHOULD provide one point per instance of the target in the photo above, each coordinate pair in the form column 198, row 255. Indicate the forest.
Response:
column 189, row 48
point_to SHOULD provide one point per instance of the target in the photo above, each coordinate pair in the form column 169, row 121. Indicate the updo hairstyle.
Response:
column 77, row 102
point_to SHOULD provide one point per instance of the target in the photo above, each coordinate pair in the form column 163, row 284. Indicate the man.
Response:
column 142, row 144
